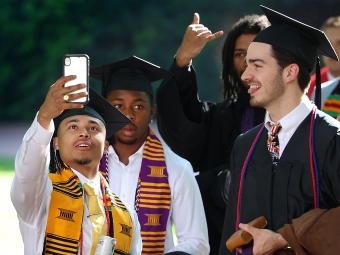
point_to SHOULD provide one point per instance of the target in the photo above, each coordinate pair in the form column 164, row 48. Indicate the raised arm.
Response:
column 183, row 120
column 31, row 187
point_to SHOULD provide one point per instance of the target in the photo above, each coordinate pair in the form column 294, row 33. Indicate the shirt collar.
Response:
column 83, row 179
column 293, row 119
column 330, row 76
column 112, row 151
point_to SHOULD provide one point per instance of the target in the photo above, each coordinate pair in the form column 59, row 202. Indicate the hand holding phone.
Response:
column 77, row 64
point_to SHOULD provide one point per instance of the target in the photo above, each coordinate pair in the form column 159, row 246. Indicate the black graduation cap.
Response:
column 302, row 40
column 99, row 108
column 131, row 73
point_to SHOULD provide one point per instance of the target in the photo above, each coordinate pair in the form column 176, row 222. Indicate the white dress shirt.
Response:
column 186, row 209
column 31, row 193
column 330, row 76
column 290, row 122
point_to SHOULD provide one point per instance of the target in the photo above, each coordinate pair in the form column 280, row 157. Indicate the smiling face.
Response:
column 137, row 106
column 81, row 141
column 263, row 76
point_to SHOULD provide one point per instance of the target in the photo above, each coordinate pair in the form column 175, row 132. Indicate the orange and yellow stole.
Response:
column 65, row 216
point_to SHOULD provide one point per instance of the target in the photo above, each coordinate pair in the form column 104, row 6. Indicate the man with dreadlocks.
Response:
column 203, row 132
column 55, row 210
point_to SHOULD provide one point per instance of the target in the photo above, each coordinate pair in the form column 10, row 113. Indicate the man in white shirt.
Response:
column 53, row 210
column 143, row 171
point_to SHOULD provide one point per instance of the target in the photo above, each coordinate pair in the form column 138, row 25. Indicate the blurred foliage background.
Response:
column 35, row 34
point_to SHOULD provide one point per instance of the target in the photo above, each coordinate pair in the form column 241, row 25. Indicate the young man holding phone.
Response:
column 55, row 209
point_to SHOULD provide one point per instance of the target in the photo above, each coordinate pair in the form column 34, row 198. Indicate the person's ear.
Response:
column 55, row 143
column 153, row 111
column 106, row 147
column 291, row 73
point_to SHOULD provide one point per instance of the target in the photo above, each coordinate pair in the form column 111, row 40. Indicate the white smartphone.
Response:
column 77, row 64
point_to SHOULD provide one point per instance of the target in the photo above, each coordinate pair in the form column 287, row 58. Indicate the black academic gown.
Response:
column 285, row 194
column 203, row 133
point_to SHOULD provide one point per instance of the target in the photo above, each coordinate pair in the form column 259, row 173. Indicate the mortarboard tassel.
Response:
column 318, row 84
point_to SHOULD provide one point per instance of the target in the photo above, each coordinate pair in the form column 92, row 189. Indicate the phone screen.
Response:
column 75, row 64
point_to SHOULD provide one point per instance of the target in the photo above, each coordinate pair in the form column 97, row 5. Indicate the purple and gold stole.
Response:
column 153, row 195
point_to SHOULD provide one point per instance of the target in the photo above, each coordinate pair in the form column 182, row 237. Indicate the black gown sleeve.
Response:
column 186, row 83
column 230, row 215
column 316, row 231
column 331, row 169
column 183, row 121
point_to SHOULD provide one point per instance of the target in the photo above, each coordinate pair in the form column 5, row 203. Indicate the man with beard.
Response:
column 67, row 210
column 143, row 171
column 286, row 169
column 204, row 132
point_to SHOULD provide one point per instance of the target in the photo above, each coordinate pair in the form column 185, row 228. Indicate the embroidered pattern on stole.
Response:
column 153, row 196
column 65, row 216
column 332, row 105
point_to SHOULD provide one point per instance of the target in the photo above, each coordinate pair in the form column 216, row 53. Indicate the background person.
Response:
column 331, row 70
column 330, row 97
column 204, row 132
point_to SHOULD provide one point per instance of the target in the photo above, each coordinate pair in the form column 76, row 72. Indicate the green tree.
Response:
column 35, row 34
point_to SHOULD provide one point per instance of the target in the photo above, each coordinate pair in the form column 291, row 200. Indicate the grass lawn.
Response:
column 6, row 166
column 10, row 238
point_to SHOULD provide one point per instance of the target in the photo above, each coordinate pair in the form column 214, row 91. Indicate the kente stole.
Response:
column 332, row 103
column 65, row 217
column 153, row 195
